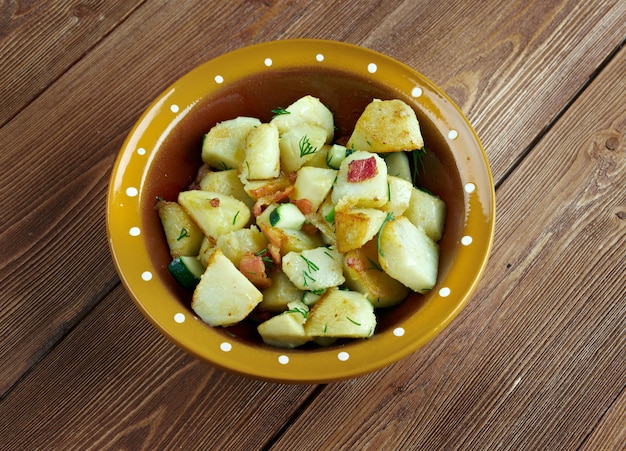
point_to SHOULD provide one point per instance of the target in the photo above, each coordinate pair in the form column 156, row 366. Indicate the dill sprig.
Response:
column 388, row 218
column 309, row 264
column 280, row 111
column 303, row 312
column 305, row 146
column 184, row 233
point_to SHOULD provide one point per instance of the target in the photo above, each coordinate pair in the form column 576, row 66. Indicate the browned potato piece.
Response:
column 386, row 126
column 364, row 274
column 183, row 236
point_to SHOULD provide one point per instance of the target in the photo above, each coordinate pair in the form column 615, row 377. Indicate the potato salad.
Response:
column 305, row 233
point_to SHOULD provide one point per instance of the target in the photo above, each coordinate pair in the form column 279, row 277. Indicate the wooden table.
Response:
column 537, row 359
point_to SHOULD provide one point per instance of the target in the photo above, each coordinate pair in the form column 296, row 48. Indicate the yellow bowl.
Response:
column 162, row 153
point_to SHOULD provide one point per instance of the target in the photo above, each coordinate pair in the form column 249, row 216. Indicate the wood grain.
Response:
column 537, row 359
column 536, row 356
column 511, row 66
column 116, row 383
column 33, row 32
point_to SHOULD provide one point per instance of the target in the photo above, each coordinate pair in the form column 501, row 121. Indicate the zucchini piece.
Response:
column 287, row 216
column 336, row 155
column 187, row 271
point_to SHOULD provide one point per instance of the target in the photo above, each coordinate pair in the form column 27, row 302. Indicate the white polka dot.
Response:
column 219, row 79
column 226, row 347
column 268, row 62
column 146, row 275
column 398, row 331
column 141, row 151
column 416, row 92
column 174, row 108
column 469, row 187
column 179, row 318
column 319, row 57
column 134, row 231
column 131, row 191
column 283, row 359
column 444, row 292
column 466, row 240
column 372, row 68
column 453, row 134
column 343, row 356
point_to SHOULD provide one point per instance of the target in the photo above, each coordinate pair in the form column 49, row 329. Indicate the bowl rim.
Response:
column 325, row 365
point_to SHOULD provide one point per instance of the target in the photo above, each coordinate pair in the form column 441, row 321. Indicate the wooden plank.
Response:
column 512, row 73
column 538, row 357
column 39, row 41
column 610, row 434
column 65, row 247
column 117, row 383
column 58, row 151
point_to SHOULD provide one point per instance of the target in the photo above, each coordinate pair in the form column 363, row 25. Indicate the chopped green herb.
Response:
column 307, row 277
column 388, row 218
column 352, row 321
column 303, row 312
column 329, row 255
column 319, row 291
column 280, row 111
column 184, row 233
column 224, row 166
column 235, row 218
column 310, row 265
column 305, row 146
column 375, row 265
column 388, row 192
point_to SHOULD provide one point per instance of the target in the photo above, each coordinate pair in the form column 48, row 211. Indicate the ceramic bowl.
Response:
column 162, row 154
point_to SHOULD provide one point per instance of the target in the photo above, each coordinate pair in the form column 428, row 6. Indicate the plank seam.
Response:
column 68, row 68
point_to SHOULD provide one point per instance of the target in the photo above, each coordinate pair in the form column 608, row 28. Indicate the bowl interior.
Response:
column 178, row 159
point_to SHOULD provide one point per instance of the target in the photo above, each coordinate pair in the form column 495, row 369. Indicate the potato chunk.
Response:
column 314, row 269
column 398, row 165
column 224, row 295
column 299, row 145
column 399, row 195
column 362, row 180
column 286, row 330
column 386, row 126
column 364, row 274
column 183, row 236
column 226, row 182
column 408, row 255
column 428, row 212
column 262, row 153
column 224, row 145
column 341, row 313
column 280, row 293
column 215, row 213
column 236, row 243
column 307, row 110
column 356, row 226
column 314, row 184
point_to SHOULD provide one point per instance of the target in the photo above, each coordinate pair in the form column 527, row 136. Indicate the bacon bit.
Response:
column 355, row 263
column 215, row 202
column 204, row 170
column 253, row 267
column 275, row 241
column 359, row 170
column 304, row 205
column 274, row 197
column 309, row 228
